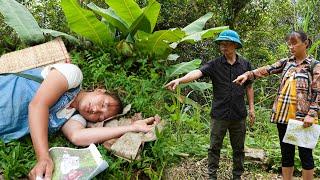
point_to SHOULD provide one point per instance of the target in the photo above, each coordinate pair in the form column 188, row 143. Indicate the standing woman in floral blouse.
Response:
column 298, row 98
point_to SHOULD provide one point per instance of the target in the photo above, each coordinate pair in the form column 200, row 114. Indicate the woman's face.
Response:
column 296, row 46
column 97, row 106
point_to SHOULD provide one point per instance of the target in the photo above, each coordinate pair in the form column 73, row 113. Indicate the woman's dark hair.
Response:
column 301, row 35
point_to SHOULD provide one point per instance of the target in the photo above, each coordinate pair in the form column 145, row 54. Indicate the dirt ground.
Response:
column 190, row 169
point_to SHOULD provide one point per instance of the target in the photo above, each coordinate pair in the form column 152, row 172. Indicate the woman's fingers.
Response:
column 307, row 124
column 42, row 170
column 37, row 172
column 149, row 120
column 48, row 173
column 237, row 80
column 240, row 79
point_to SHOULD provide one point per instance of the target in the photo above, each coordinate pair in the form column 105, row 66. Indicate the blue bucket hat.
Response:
column 229, row 35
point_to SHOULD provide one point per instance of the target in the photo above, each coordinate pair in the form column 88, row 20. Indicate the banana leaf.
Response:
column 213, row 31
column 158, row 42
column 183, row 67
column 111, row 17
column 199, row 86
column 58, row 33
column 142, row 36
column 147, row 20
column 111, row 29
column 21, row 20
column 209, row 33
column 128, row 10
column 85, row 23
column 152, row 12
column 141, row 23
column 198, row 24
column 173, row 57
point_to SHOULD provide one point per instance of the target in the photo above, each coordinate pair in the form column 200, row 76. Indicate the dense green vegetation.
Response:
column 124, row 64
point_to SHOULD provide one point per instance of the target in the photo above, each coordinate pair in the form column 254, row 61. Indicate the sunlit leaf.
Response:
column 141, row 23
column 147, row 20
column 110, row 17
column 158, row 42
column 198, row 24
column 182, row 68
column 57, row 34
column 209, row 33
column 199, row 86
column 85, row 23
column 173, row 57
column 152, row 12
column 128, row 10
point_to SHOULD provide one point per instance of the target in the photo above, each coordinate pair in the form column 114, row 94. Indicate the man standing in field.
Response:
column 228, row 110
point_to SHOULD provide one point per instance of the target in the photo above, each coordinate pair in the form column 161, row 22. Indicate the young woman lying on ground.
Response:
column 57, row 103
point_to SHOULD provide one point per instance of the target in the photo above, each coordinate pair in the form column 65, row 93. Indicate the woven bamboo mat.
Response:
column 36, row 56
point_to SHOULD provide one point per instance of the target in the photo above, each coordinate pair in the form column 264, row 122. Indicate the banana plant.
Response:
column 134, row 26
column 21, row 20
column 161, row 44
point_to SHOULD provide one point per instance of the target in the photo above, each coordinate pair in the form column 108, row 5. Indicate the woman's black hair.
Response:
column 301, row 35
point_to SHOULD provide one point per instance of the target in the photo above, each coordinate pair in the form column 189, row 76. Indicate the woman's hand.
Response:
column 241, row 79
column 145, row 125
column 307, row 122
column 42, row 170
column 173, row 84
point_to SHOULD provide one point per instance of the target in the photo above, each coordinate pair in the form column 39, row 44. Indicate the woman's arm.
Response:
column 81, row 136
column 314, row 104
column 50, row 90
column 264, row 71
